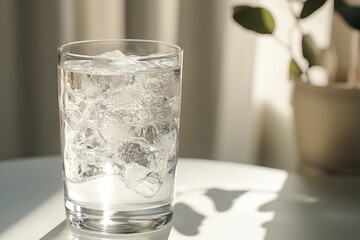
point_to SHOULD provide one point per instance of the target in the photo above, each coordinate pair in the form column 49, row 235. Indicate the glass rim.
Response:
column 177, row 48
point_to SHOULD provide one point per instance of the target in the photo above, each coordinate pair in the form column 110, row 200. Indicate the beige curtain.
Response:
column 220, row 119
column 28, row 40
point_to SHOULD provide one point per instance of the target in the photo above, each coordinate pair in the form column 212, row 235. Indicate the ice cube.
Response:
column 87, row 155
column 119, row 81
column 164, row 84
column 139, row 167
column 113, row 132
column 86, row 145
column 80, row 171
column 149, row 186
column 139, row 152
column 87, row 171
column 167, row 152
column 112, row 55
column 114, row 62
column 149, row 133
column 79, row 165
column 76, row 111
column 124, row 95
column 154, row 61
column 134, row 173
column 93, row 86
column 141, row 179
column 72, row 117
column 78, row 66
column 89, row 139
column 174, row 104
column 70, row 151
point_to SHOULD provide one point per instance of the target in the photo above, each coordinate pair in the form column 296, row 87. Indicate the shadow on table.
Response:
column 23, row 178
column 186, row 221
column 315, row 208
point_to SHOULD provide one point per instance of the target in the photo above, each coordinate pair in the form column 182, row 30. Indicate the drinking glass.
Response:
column 119, row 106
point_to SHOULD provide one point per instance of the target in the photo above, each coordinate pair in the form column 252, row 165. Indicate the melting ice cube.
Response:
column 141, row 179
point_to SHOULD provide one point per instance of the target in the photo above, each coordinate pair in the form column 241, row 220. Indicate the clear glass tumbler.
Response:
column 119, row 106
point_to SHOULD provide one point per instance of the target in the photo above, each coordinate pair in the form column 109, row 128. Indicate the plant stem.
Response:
column 357, row 62
column 282, row 43
column 301, row 31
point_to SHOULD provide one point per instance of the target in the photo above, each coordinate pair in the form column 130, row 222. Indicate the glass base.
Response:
column 117, row 222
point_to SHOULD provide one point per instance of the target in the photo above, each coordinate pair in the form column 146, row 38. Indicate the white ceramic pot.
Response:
column 327, row 121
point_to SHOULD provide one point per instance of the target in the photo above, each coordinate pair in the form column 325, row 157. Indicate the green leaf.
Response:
column 351, row 14
column 339, row 4
column 310, row 6
column 294, row 70
column 256, row 19
column 310, row 51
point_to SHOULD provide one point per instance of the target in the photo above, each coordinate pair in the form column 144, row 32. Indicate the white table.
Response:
column 215, row 200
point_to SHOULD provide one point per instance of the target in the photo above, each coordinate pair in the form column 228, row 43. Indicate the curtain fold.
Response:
column 198, row 35
column 156, row 20
column 94, row 19
column 10, row 134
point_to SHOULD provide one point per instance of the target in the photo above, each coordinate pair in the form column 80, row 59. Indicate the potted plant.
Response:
column 327, row 117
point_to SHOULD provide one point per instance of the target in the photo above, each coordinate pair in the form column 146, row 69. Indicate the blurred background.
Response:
column 236, row 102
